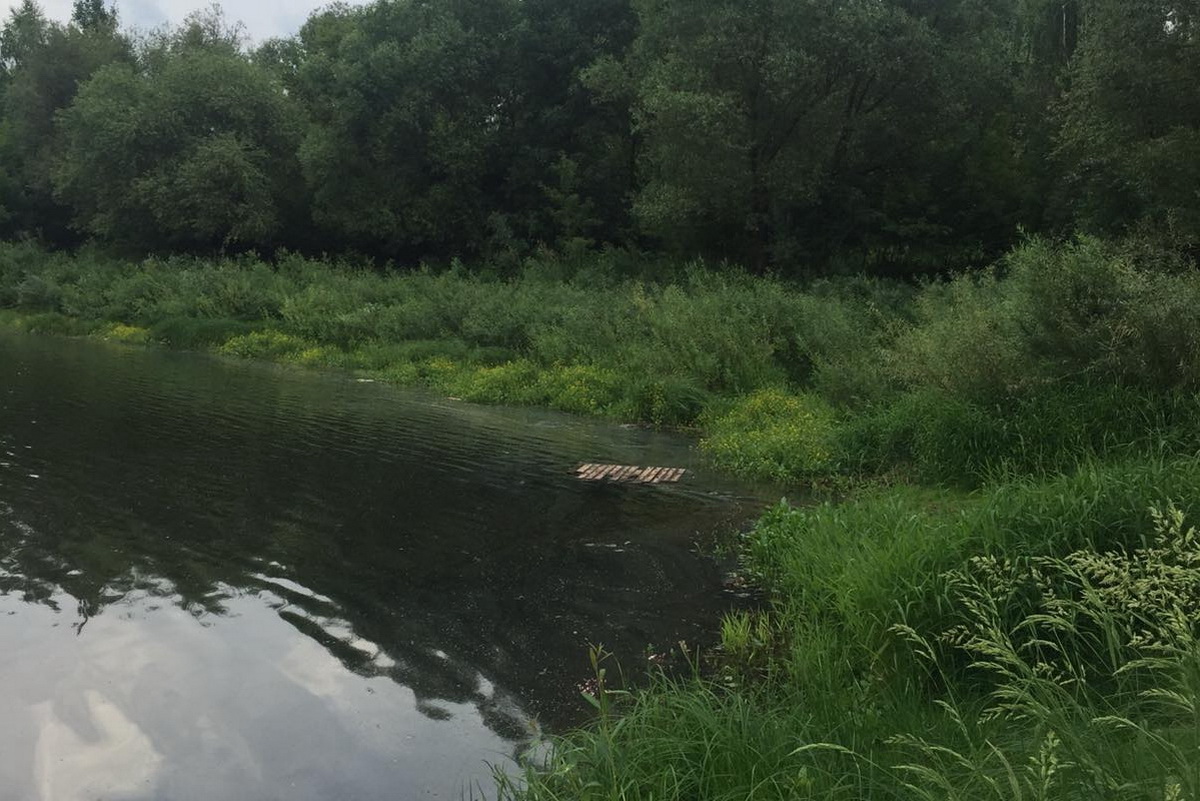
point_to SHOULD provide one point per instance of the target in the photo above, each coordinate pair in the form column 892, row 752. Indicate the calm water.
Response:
column 231, row 581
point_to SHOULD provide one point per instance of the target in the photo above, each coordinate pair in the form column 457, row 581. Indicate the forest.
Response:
column 929, row 266
column 896, row 138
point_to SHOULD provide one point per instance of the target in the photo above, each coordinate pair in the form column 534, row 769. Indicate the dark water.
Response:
column 231, row 581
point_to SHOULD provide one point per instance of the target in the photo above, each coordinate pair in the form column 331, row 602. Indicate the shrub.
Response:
column 1082, row 311
column 505, row 383
column 264, row 345
column 55, row 323
column 941, row 438
column 965, row 341
column 672, row 400
column 193, row 332
column 583, row 389
column 36, row 292
column 119, row 332
column 771, row 434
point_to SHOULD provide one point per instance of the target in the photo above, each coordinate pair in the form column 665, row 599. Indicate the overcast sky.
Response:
column 263, row 18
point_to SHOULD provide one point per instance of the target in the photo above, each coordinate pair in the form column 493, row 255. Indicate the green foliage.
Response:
column 1061, row 354
column 940, row 438
column 683, row 739
column 90, row 14
column 1029, row 640
column 1129, row 135
column 762, row 125
column 1080, row 311
column 658, row 353
column 806, row 137
column 36, row 292
column 219, row 175
column 264, row 345
column 196, row 333
column 47, row 63
column 402, row 97
column 774, row 435
column 1033, row 641
column 1093, row 654
column 119, row 332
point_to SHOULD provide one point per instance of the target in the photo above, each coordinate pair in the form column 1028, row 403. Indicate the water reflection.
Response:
column 226, row 581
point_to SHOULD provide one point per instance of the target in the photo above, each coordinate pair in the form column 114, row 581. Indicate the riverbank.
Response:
column 1033, row 640
column 1004, row 608
column 1013, row 617
column 1060, row 352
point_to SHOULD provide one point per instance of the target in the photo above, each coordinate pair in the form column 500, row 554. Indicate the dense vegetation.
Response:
column 805, row 137
column 934, row 258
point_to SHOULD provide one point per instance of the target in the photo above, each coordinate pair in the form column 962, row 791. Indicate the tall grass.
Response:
column 1059, row 353
column 1032, row 641
column 652, row 351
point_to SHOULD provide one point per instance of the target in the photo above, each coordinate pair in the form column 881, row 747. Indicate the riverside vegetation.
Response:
column 933, row 262
column 1006, row 605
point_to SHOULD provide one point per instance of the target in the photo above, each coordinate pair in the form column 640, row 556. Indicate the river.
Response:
column 228, row 580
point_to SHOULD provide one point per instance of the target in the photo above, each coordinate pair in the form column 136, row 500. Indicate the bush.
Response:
column 268, row 344
column 505, row 383
column 940, row 438
column 1083, row 311
column 775, row 435
column 36, row 292
column 193, row 332
column 119, row 332
column 965, row 341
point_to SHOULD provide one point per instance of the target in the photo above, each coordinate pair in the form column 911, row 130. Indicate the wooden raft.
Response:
column 631, row 473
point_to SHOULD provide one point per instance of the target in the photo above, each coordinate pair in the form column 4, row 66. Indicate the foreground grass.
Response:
column 1033, row 640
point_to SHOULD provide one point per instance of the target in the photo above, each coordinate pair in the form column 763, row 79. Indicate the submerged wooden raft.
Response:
column 631, row 473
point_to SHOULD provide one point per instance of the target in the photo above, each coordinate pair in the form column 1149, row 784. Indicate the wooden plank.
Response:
column 592, row 471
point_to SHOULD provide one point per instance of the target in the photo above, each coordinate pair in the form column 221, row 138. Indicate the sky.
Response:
column 262, row 18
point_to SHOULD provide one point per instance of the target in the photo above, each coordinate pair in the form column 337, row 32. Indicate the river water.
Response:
column 225, row 580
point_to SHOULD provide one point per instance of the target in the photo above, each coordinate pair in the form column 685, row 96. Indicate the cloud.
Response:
column 262, row 18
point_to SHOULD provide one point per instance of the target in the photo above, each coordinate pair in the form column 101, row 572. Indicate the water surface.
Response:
column 223, row 580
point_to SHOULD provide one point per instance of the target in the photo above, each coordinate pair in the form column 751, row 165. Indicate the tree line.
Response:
column 801, row 136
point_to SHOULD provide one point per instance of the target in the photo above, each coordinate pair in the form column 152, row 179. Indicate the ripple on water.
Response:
column 230, row 579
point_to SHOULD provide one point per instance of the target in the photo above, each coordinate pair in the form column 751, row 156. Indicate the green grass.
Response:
column 1061, row 353
column 653, row 352
column 1023, row 641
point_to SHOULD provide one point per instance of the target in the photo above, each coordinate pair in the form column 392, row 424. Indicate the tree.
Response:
column 46, row 63
column 408, row 109
column 1130, row 117
column 567, row 149
column 24, row 33
column 193, row 149
column 764, row 121
column 93, row 14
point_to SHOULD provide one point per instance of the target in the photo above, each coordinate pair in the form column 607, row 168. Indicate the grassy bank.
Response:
column 1015, row 616
column 1060, row 352
column 1035, row 640
column 1010, row 611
